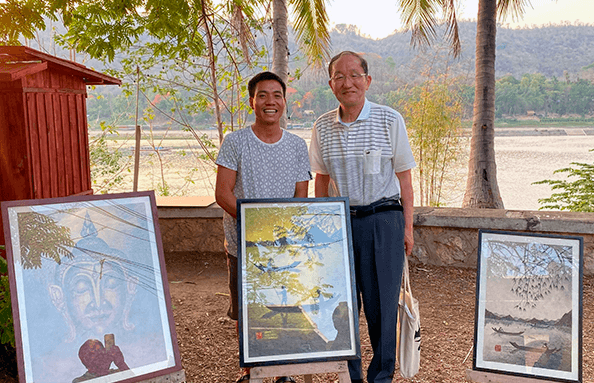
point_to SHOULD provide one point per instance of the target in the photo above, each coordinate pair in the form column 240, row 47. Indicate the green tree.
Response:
column 482, row 190
column 162, row 32
column 574, row 195
column 40, row 237
column 581, row 97
column 6, row 324
column 507, row 99
column 433, row 112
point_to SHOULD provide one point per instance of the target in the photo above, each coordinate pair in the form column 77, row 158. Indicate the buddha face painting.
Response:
column 94, row 291
column 95, row 294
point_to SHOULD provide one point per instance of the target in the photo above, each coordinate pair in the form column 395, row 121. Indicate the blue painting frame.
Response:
column 528, row 319
column 297, row 294
column 90, row 297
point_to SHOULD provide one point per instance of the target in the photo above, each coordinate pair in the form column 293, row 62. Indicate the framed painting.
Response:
column 529, row 305
column 90, row 298
column 297, row 282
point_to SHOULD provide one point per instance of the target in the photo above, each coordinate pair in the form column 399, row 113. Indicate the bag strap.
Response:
column 406, row 275
column 405, row 286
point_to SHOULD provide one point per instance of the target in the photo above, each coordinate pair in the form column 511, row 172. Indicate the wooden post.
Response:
column 257, row 374
column 174, row 377
column 137, row 134
column 491, row 377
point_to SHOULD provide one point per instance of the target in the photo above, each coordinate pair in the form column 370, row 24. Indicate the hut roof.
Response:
column 19, row 61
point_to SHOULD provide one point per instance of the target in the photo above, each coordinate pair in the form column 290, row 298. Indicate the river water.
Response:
column 522, row 158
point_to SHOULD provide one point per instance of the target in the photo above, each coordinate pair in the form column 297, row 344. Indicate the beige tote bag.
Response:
column 408, row 344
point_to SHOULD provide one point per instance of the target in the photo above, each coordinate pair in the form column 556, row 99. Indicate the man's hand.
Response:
column 407, row 197
column 409, row 241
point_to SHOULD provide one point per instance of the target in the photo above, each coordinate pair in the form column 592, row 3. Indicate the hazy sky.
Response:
column 380, row 18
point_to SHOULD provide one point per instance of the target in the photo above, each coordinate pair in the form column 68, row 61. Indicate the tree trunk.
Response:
column 280, row 44
column 213, row 71
column 482, row 190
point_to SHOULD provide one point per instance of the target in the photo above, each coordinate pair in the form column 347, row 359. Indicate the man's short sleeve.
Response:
column 315, row 154
column 228, row 154
column 303, row 160
column 402, row 156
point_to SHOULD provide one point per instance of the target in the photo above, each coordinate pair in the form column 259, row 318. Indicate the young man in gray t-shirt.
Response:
column 260, row 161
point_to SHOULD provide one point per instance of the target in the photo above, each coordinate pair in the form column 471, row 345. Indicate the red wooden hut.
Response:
column 44, row 146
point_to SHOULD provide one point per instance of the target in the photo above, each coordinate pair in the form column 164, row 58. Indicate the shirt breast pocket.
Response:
column 372, row 159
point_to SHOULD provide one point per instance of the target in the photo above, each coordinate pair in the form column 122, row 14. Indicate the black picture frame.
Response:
column 528, row 319
column 297, row 294
column 89, row 290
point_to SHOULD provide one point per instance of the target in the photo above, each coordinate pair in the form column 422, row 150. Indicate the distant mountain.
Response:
column 565, row 320
column 549, row 50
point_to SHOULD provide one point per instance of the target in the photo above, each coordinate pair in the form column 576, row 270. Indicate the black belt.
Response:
column 376, row 207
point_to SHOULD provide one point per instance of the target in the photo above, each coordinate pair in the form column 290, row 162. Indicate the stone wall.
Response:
column 443, row 236
column 449, row 236
column 192, row 229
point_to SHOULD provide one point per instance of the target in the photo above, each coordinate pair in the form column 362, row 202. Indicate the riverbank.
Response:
column 524, row 155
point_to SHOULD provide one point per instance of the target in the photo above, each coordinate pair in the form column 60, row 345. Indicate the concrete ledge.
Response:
column 499, row 219
column 188, row 207
column 443, row 236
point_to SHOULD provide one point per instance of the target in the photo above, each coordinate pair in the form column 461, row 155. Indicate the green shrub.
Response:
column 576, row 195
column 6, row 325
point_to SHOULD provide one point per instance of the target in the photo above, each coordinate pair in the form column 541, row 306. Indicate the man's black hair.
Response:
column 262, row 76
column 347, row 53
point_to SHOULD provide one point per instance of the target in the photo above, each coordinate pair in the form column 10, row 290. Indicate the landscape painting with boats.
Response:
column 296, row 282
column 528, row 304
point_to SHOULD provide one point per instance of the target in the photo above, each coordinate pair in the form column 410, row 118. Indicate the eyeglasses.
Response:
column 339, row 78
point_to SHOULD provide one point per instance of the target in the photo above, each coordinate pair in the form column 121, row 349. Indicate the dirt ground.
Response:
column 208, row 340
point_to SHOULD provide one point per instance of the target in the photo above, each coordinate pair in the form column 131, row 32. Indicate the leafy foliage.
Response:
column 285, row 232
column 24, row 18
column 433, row 112
column 536, row 93
column 105, row 165
column 536, row 269
column 40, row 237
column 6, row 324
column 575, row 195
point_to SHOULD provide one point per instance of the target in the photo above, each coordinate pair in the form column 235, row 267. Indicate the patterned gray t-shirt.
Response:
column 263, row 170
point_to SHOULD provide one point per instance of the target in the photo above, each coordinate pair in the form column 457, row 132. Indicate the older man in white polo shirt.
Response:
column 360, row 150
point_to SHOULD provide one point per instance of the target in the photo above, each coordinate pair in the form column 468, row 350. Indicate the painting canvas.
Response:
column 529, row 305
column 89, row 289
column 297, row 283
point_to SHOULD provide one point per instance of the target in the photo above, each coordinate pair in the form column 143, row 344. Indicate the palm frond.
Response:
column 515, row 8
column 452, row 31
column 418, row 16
column 241, row 12
column 311, row 24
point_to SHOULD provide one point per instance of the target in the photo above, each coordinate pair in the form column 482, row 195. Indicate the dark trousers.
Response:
column 378, row 244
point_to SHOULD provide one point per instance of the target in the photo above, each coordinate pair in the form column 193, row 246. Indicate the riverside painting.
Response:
column 528, row 311
column 297, row 282
column 92, row 298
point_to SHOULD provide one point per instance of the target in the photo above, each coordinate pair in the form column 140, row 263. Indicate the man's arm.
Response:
column 407, row 197
column 224, row 190
column 301, row 189
column 321, row 185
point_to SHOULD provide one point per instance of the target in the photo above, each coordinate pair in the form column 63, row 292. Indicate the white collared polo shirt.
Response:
column 362, row 157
